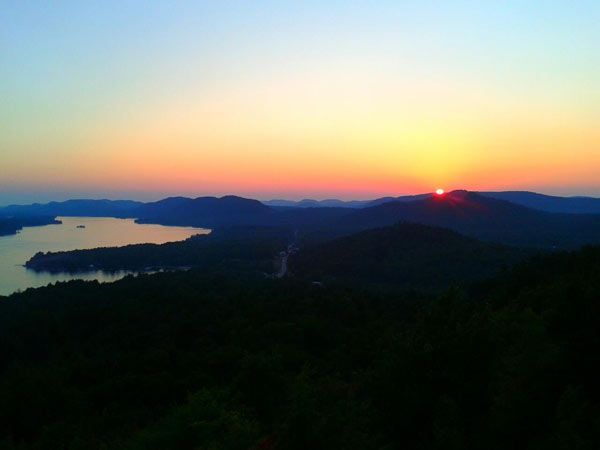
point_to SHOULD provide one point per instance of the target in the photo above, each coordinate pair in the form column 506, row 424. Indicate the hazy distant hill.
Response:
column 549, row 203
column 403, row 198
column 310, row 203
column 482, row 217
column 82, row 207
column 407, row 255
column 335, row 203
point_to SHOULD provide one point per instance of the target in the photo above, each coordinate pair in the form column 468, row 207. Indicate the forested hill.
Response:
column 236, row 250
column 197, row 360
column 407, row 255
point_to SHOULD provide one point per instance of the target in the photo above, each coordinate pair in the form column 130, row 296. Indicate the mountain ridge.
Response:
column 471, row 213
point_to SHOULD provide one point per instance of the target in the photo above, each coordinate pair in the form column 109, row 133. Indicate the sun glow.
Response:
column 439, row 191
column 360, row 110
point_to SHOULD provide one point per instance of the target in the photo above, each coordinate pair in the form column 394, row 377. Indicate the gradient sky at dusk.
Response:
column 305, row 99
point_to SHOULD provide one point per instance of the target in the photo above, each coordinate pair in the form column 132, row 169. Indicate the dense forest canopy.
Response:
column 206, row 360
column 407, row 255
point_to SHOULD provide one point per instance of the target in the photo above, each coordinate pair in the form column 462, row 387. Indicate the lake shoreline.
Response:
column 66, row 235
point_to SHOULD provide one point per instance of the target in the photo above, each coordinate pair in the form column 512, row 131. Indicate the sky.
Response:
column 320, row 99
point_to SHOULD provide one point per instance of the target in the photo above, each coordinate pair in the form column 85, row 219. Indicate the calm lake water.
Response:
column 98, row 232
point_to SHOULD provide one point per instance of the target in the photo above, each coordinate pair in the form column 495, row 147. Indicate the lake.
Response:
column 76, row 233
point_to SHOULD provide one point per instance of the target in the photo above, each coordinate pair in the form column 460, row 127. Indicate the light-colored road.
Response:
column 283, row 268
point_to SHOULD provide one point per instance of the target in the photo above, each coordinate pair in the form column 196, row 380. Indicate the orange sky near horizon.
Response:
column 478, row 98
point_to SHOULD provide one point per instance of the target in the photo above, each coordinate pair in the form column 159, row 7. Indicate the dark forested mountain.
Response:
column 212, row 212
column 549, row 203
column 204, row 360
column 209, row 212
column 12, row 225
column 483, row 217
column 406, row 255
column 90, row 208
column 161, row 208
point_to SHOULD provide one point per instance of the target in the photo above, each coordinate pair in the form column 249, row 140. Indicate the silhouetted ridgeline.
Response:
column 11, row 225
column 129, row 208
column 196, row 360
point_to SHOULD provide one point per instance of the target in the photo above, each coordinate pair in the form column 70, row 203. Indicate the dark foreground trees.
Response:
column 191, row 360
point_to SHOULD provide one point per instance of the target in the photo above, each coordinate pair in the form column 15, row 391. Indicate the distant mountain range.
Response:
column 482, row 217
column 334, row 203
column 541, row 202
column 518, row 218
column 130, row 208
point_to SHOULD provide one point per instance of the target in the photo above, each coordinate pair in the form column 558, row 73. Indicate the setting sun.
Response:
column 439, row 191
